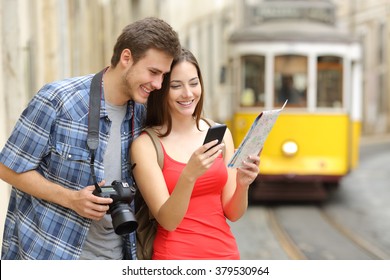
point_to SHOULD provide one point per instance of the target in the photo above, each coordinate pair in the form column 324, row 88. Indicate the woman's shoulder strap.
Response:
column 210, row 122
column 157, row 145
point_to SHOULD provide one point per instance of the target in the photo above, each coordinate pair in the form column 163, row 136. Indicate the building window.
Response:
column 252, row 91
column 291, row 80
column 329, row 82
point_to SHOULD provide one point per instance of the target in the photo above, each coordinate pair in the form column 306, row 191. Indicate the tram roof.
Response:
column 296, row 31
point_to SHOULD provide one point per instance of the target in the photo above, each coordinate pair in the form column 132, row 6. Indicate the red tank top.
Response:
column 204, row 232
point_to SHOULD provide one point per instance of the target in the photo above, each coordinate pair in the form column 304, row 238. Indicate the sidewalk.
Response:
column 374, row 139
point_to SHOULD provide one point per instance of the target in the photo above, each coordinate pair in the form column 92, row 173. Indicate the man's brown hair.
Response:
column 143, row 35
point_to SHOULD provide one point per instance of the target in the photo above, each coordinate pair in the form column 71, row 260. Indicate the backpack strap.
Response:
column 157, row 145
column 139, row 201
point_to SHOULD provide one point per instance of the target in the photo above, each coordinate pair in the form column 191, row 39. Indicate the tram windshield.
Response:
column 291, row 80
column 253, row 89
column 329, row 82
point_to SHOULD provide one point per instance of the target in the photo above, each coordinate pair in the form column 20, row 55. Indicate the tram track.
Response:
column 371, row 249
column 285, row 241
column 352, row 224
column 329, row 245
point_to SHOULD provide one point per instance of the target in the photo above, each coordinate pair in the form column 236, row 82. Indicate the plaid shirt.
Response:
column 51, row 138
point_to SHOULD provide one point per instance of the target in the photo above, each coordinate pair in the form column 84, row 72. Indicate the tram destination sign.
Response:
column 262, row 11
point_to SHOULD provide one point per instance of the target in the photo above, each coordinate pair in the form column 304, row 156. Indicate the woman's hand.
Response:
column 200, row 161
column 249, row 171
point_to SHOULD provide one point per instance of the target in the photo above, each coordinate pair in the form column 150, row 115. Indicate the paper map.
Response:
column 254, row 139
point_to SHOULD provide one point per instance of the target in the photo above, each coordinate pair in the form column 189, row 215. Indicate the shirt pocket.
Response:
column 72, row 153
column 69, row 165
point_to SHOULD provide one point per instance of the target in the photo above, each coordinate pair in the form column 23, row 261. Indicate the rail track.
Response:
column 317, row 235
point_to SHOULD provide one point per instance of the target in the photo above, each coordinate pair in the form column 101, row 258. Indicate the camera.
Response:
column 122, row 194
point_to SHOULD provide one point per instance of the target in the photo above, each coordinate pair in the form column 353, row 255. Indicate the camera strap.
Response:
column 93, row 121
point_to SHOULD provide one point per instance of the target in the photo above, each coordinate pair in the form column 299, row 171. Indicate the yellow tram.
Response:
column 317, row 68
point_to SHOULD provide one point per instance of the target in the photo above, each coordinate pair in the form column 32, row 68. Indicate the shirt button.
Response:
column 69, row 156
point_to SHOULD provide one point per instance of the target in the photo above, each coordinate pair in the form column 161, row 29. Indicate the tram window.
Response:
column 291, row 80
column 252, row 91
column 329, row 82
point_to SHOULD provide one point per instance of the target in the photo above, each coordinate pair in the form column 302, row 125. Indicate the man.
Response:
column 52, row 212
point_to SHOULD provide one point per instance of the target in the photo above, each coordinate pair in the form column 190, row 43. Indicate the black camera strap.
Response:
column 93, row 121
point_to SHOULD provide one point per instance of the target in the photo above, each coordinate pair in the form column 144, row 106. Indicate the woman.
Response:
column 194, row 194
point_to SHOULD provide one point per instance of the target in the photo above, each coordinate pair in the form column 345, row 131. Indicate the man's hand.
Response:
column 88, row 205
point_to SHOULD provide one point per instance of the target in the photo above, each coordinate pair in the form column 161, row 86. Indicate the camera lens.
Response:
column 123, row 219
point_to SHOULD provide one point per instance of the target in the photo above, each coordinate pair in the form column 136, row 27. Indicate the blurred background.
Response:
column 330, row 58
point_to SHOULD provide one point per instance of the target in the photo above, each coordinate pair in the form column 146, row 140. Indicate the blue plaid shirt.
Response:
column 51, row 138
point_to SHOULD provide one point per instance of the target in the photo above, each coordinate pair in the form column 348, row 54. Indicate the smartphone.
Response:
column 215, row 132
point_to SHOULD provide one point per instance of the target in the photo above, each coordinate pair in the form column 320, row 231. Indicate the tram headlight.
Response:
column 289, row 148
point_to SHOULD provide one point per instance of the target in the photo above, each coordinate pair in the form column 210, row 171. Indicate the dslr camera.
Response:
column 122, row 194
